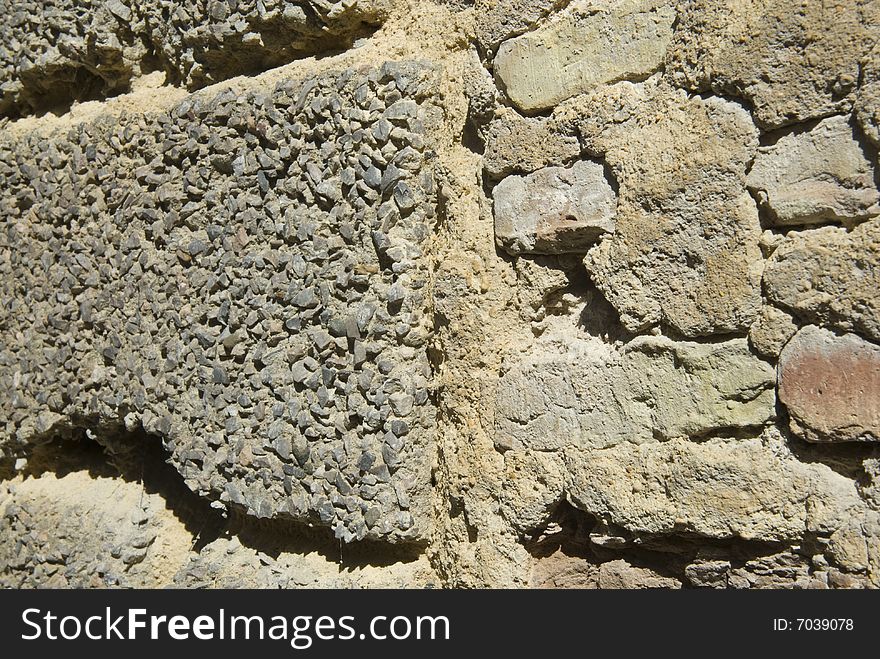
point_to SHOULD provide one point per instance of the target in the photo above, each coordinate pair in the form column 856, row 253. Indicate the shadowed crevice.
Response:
column 577, row 543
column 132, row 456
column 138, row 457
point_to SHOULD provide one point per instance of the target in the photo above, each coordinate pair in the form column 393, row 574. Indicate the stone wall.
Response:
column 496, row 293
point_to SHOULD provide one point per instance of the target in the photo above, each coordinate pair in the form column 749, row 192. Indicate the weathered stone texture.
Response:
column 555, row 210
column 771, row 331
column 89, row 528
column 520, row 145
column 242, row 276
column 790, row 62
column 712, row 489
column 830, row 276
column 475, row 293
column 497, row 20
column 62, row 50
column 52, row 53
column 563, row 571
column 655, row 389
column 867, row 106
column 590, row 44
column 814, row 177
column 534, row 484
column 694, row 266
column 762, row 507
column 78, row 531
column 203, row 42
column 830, row 386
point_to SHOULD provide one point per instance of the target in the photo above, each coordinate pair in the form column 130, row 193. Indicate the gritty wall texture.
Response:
column 369, row 293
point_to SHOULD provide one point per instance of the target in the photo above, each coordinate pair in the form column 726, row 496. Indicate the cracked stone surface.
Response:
column 755, row 493
column 498, row 21
column 829, row 277
column 867, row 105
column 522, row 145
column 652, row 494
column 694, row 267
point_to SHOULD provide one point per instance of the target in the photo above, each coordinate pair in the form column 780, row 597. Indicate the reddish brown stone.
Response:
column 831, row 386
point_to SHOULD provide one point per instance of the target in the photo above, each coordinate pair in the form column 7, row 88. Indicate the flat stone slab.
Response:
column 595, row 397
column 831, row 386
column 747, row 488
column 815, row 177
column 591, row 44
column 555, row 210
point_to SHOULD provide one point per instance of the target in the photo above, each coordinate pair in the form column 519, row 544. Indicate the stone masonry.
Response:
column 389, row 293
